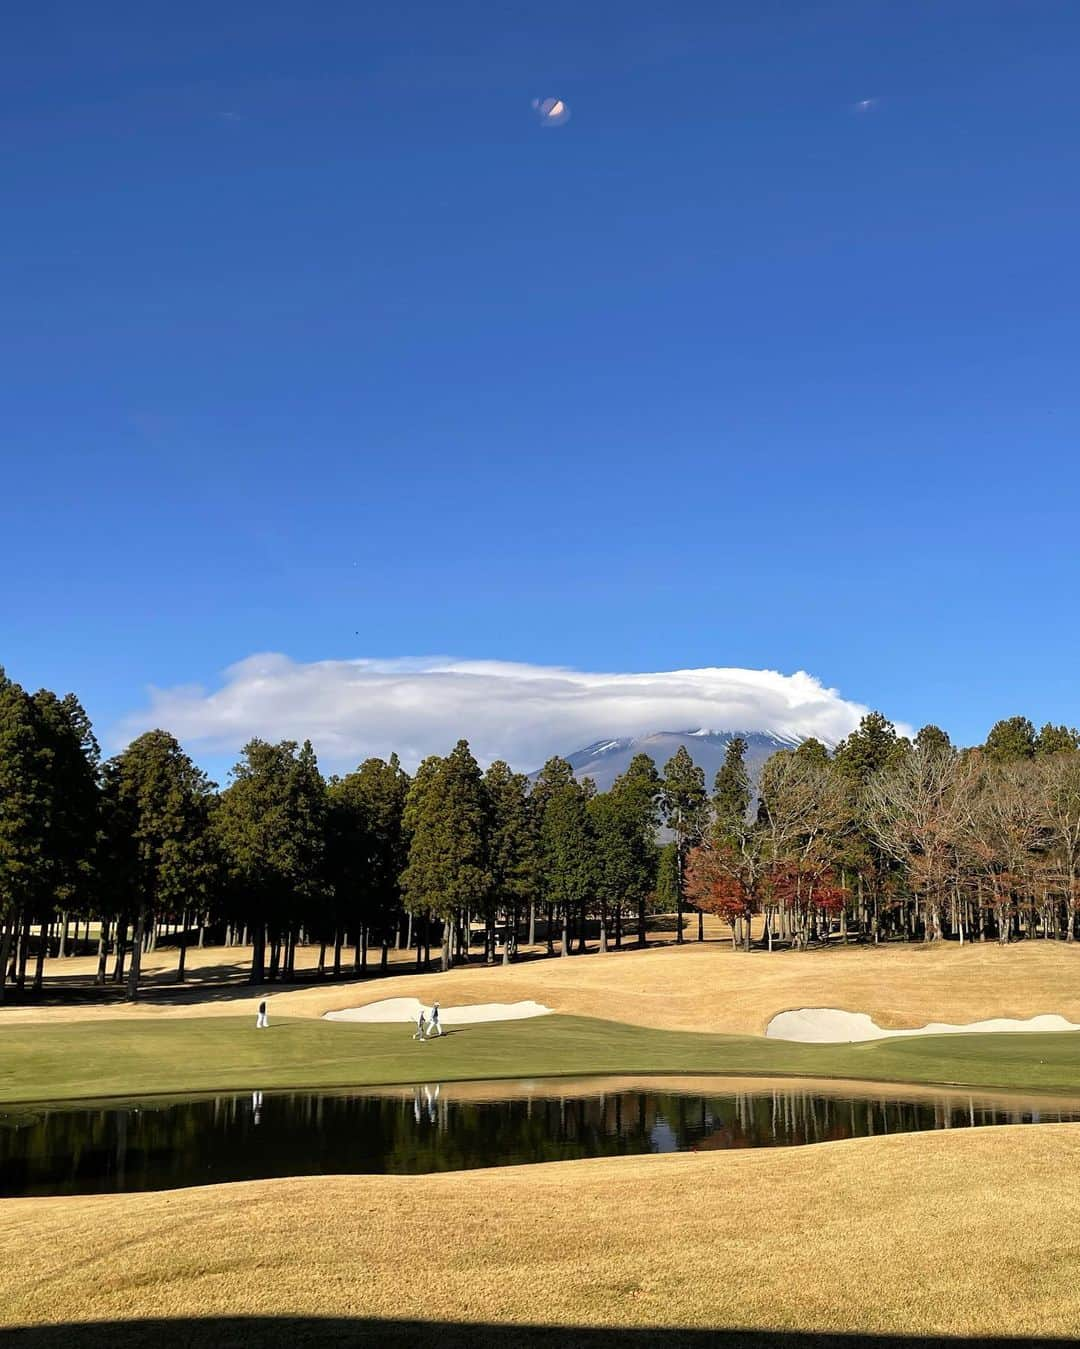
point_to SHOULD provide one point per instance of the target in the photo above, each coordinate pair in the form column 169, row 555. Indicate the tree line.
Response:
column 894, row 838
column 881, row 838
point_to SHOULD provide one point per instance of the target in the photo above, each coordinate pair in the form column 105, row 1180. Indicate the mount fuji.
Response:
column 604, row 760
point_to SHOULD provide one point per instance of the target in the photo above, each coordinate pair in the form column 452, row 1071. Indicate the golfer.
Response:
column 421, row 1025
column 434, row 1028
column 262, row 1021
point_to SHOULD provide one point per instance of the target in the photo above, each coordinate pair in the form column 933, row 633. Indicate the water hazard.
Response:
column 162, row 1144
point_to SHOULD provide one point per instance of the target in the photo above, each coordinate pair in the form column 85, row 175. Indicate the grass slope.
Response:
column 143, row 1057
column 968, row 1232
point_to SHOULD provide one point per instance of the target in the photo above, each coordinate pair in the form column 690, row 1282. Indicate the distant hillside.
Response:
column 604, row 760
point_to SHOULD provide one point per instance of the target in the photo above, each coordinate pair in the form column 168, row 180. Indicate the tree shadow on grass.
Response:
column 305, row 1332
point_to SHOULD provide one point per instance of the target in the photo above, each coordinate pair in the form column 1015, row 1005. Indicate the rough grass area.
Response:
column 700, row 988
column 961, row 1233
column 133, row 1058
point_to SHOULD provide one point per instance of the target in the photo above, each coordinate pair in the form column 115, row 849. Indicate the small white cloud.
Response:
column 866, row 105
column 351, row 709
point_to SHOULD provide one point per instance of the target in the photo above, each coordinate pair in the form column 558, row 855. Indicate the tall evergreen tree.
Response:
column 23, row 806
column 567, row 862
column 271, row 823
column 1057, row 740
column 685, row 808
column 874, row 746
column 511, row 841
column 366, row 850
column 637, row 793
column 732, row 792
column 160, row 804
column 812, row 750
column 1010, row 740
column 932, row 739
column 447, row 872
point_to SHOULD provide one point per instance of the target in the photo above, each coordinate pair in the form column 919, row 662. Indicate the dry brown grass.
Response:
column 962, row 1233
column 706, row 987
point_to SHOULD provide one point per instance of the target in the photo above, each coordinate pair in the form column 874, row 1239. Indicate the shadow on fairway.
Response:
column 300, row 1332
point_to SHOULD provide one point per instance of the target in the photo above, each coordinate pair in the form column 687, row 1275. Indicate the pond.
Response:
column 165, row 1143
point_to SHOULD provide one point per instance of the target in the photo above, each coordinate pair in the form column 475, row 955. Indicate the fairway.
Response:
column 131, row 1058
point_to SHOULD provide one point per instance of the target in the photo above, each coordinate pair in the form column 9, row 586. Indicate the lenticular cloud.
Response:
column 352, row 709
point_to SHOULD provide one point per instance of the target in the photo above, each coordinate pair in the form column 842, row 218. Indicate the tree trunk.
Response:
column 322, row 959
column 5, row 948
column 23, row 953
column 120, row 948
column 603, row 930
column 39, row 966
column 565, row 948
column 102, row 951
column 700, row 925
column 532, row 922
column 136, row 955
column 384, row 958
column 337, row 952
column 258, row 953
column 641, row 922
column 448, row 928
column 679, row 897
column 182, row 960
column 63, row 938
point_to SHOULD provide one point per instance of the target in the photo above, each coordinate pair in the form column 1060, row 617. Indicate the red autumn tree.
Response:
column 712, row 887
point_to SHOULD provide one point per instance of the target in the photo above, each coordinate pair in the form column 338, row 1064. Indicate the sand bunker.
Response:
column 828, row 1025
column 408, row 1009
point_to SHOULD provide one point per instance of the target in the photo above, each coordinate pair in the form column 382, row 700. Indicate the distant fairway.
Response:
column 130, row 1057
column 707, row 988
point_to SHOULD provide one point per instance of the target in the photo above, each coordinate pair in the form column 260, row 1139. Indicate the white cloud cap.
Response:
column 352, row 709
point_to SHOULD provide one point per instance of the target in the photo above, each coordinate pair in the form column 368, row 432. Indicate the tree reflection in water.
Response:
column 197, row 1141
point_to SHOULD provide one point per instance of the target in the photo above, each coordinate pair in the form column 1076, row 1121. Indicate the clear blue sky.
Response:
column 315, row 340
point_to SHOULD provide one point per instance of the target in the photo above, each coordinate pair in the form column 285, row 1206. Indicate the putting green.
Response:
column 134, row 1057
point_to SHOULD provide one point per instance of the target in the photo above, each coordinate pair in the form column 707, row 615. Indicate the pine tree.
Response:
column 731, row 791
column 1010, row 740
column 934, row 740
column 686, row 812
column 511, row 843
column 366, row 849
column 447, row 872
column 159, row 809
column 23, row 806
column 874, row 746
column 271, row 824
column 1057, row 740
column 567, row 864
column 637, row 793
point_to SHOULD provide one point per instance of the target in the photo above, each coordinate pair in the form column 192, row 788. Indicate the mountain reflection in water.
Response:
column 157, row 1144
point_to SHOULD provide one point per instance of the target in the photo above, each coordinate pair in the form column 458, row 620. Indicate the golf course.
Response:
column 773, row 1241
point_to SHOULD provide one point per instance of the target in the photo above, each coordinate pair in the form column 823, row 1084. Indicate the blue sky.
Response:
column 316, row 341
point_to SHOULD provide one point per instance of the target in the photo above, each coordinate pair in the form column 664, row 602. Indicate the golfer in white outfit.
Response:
column 421, row 1024
column 434, row 1028
column 262, row 1022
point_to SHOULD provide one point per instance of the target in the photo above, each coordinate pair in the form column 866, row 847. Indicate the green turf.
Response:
column 146, row 1057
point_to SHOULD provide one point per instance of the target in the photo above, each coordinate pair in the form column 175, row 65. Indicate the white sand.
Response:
column 828, row 1025
column 408, row 1009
